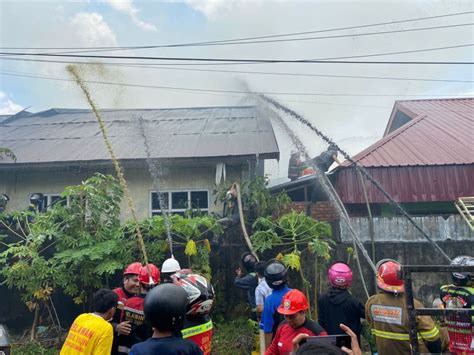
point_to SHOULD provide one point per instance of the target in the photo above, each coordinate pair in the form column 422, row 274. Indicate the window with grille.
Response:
column 179, row 202
column 50, row 199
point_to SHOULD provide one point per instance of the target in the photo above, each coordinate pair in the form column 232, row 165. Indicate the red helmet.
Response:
column 388, row 276
column 200, row 292
column 293, row 302
column 149, row 275
column 132, row 269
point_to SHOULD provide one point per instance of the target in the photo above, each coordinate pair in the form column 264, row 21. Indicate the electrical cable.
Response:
column 246, row 39
column 156, row 66
column 234, row 60
column 228, row 91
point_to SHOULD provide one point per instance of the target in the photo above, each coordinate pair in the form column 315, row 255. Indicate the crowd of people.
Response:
column 153, row 312
column 167, row 312
column 285, row 324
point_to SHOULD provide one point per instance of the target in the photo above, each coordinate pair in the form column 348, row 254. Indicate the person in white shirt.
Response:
column 262, row 290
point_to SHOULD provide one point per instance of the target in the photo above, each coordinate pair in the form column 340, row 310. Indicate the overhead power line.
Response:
column 223, row 91
column 246, row 40
column 160, row 67
column 232, row 60
column 7, row 57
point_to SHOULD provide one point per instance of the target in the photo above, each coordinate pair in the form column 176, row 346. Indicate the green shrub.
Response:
column 236, row 337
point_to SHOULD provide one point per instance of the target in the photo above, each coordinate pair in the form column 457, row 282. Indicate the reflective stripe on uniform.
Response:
column 430, row 334
column 198, row 329
column 391, row 335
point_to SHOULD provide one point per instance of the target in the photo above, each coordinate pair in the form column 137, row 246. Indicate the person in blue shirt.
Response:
column 276, row 276
column 165, row 309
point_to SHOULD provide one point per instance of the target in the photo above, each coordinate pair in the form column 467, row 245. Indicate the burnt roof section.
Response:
column 70, row 135
column 424, row 132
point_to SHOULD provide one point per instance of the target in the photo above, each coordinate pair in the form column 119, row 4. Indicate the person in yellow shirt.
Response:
column 92, row 333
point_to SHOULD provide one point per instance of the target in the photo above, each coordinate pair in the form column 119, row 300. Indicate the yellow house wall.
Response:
column 19, row 185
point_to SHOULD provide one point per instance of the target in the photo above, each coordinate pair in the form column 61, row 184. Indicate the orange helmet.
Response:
column 389, row 276
column 149, row 275
column 132, row 269
column 293, row 302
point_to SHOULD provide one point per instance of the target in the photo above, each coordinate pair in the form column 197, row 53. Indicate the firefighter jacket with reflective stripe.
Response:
column 388, row 318
column 460, row 326
column 199, row 333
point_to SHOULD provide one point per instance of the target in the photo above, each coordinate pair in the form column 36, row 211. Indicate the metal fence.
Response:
column 393, row 229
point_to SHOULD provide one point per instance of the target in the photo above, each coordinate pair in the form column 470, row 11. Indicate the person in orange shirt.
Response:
column 92, row 333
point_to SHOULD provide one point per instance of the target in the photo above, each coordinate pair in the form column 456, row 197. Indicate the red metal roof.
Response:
column 435, row 132
column 408, row 183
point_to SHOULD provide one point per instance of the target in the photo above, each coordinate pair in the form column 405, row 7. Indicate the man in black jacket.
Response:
column 249, row 282
column 338, row 305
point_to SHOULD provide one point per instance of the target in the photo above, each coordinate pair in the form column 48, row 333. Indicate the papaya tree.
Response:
column 190, row 233
column 292, row 234
column 193, row 234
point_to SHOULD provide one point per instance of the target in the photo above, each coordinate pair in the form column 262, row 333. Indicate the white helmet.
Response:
column 170, row 265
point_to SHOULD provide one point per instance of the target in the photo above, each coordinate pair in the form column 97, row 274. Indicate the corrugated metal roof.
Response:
column 408, row 183
column 67, row 135
column 437, row 132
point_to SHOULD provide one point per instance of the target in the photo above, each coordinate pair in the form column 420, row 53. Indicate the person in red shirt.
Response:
column 149, row 277
column 293, row 307
column 130, row 287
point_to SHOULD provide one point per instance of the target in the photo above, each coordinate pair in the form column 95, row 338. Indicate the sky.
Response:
column 353, row 111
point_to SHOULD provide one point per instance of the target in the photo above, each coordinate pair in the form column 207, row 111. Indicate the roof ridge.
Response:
column 67, row 109
column 380, row 143
column 440, row 99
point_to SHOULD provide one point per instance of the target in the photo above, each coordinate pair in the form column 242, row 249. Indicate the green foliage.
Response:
column 266, row 239
column 257, row 201
column 194, row 234
column 293, row 230
column 89, row 242
column 292, row 260
column 72, row 247
column 293, row 233
column 191, row 233
column 234, row 337
column 7, row 153
column 33, row 349
column 24, row 268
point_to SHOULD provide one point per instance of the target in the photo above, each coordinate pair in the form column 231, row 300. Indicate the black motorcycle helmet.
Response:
column 36, row 198
column 165, row 307
column 462, row 278
column 276, row 274
column 248, row 262
column 200, row 293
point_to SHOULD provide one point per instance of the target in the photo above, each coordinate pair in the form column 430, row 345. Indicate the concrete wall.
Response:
column 18, row 185
column 390, row 229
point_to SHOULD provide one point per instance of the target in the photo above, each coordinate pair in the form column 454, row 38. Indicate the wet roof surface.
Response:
column 67, row 135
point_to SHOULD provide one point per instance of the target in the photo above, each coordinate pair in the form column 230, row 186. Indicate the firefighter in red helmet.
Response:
column 387, row 315
column 148, row 277
column 293, row 307
column 130, row 287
